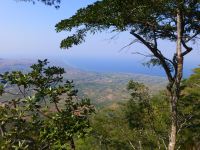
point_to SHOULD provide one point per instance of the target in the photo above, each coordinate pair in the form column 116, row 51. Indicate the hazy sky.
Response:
column 28, row 31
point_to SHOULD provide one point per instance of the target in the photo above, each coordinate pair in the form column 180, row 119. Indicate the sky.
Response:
column 28, row 31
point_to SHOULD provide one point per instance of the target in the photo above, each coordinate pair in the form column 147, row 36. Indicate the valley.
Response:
column 101, row 88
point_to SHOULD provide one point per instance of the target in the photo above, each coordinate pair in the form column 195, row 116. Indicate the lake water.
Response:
column 123, row 65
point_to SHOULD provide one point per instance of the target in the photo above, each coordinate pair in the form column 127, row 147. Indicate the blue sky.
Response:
column 27, row 31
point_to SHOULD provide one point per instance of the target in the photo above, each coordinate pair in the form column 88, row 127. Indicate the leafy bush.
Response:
column 44, row 112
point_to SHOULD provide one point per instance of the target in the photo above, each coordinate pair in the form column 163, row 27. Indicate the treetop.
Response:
column 150, row 19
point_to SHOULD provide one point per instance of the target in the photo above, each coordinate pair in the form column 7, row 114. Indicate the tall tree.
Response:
column 148, row 21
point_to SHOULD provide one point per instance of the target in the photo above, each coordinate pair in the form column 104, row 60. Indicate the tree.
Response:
column 40, row 111
column 142, row 122
column 190, row 113
column 148, row 115
column 148, row 21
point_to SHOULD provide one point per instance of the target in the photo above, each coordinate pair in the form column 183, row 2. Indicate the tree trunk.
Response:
column 174, row 91
column 172, row 138
column 175, row 87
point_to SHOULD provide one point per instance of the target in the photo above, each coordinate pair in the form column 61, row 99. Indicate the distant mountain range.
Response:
column 101, row 88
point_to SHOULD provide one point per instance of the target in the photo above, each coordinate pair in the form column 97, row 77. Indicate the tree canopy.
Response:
column 148, row 21
column 154, row 19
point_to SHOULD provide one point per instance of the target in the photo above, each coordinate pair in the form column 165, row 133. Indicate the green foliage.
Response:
column 45, row 112
column 111, row 130
column 137, row 104
column 143, row 121
column 151, row 19
column 156, row 62
column 140, row 123
column 150, row 114
column 145, row 115
column 190, row 111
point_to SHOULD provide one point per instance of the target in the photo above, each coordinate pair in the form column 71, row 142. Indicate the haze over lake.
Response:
column 28, row 31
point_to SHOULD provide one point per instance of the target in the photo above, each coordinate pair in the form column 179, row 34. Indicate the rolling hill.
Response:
column 101, row 88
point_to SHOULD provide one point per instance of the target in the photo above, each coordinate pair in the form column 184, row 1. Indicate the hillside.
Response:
column 101, row 88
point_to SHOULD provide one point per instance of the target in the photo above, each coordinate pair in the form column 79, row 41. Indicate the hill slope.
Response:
column 101, row 88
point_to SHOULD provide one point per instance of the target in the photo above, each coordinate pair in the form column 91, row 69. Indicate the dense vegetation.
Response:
column 149, row 22
column 143, row 121
column 44, row 113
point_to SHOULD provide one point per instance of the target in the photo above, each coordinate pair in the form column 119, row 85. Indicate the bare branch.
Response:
column 138, row 53
column 188, row 49
column 164, row 143
column 114, row 36
column 132, row 42
column 156, row 53
column 56, row 106
column 185, row 121
column 197, row 85
column 128, row 139
column 23, row 94
column 192, row 37
column 42, row 113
